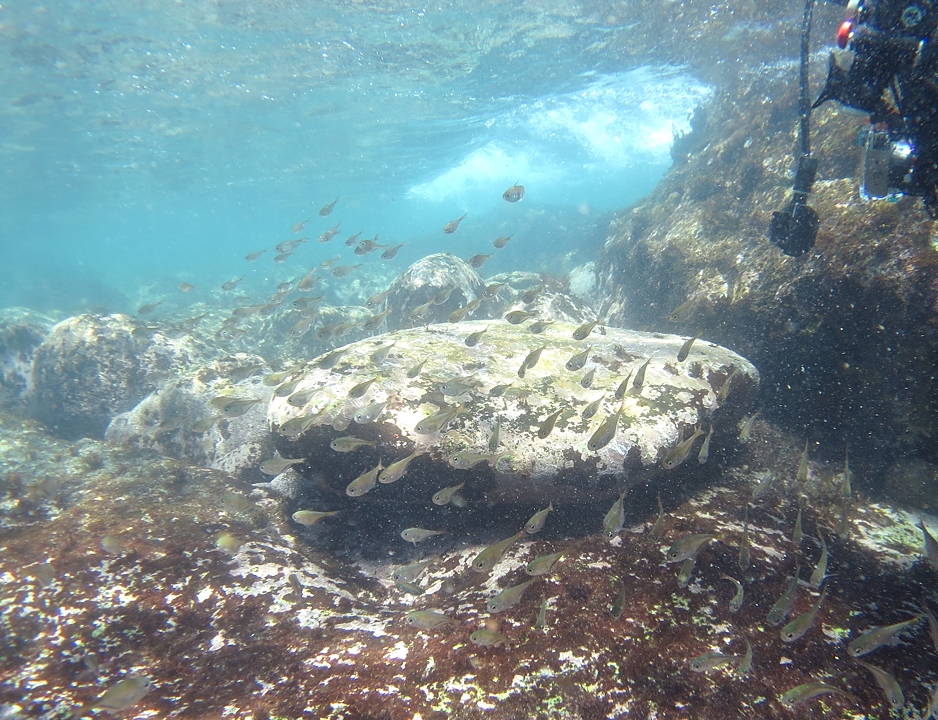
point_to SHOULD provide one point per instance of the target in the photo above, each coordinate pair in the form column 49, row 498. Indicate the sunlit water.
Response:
column 150, row 145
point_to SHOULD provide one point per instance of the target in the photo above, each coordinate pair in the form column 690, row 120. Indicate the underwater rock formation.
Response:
column 176, row 419
column 422, row 294
column 844, row 336
column 117, row 561
column 21, row 332
column 551, row 415
column 89, row 369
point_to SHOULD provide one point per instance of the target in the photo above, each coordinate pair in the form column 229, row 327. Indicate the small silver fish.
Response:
column 381, row 352
column 604, row 434
column 676, row 455
column 546, row 426
column 327, row 209
column 416, row 535
column 438, row 421
column 311, row 517
column 494, row 438
column 879, row 636
column 395, row 471
column 416, row 370
column 689, row 545
column 375, row 300
column 888, row 683
column 583, row 332
column 737, row 601
column 364, row 482
column 711, row 661
column 801, row 624
column 579, row 360
column 615, row 518
column 370, row 413
column 473, row 339
column 457, row 386
column 590, row 410
column 639, row 380
column 542, row 564
column 683, row 575
column 618, row 607
column 477, row 261
column 514, row 193
column 745, row 427
column 623, row 387
column 487, row 637
column 811, row 690
column 353, row 239
column 409, row 573
column 785, row 603
column 516, row 317
column 541, row 622
column 427, row 619
column 704, row 453
column 508, row 598
column 529, row 296
column 540, row 326
column 391, row 252
column 443, row 497
column 657, row 530
column 121, row 696
column 277, row 465
column 745, row 664
column 348, row 444
column 361, row 388
column 330, row 233
column 531, row 360
column 931, row 545
column 501, row 242
column 685, row 348
column 452, row 225
column 820, row 571
column 587, row 380
column 798, row 535
column 802, row 473
column 536, row 523
column 488, row 558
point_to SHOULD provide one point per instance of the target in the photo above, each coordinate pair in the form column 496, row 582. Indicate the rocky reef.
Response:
column 121, row 563
column 844, row 336
column 445, row 390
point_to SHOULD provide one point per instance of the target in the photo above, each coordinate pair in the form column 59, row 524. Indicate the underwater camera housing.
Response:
column 886, row 66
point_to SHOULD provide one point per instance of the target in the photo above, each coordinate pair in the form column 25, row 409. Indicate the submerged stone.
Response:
column 533, row 461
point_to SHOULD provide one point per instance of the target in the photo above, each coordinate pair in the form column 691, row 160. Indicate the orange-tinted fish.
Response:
column 327, row 209
column 451, row 226
column 514, row 193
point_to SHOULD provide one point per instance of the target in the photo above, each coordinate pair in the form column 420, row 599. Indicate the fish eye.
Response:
column 789, row 636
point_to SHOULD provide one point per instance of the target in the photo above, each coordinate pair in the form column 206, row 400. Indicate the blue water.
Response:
column 148, row 145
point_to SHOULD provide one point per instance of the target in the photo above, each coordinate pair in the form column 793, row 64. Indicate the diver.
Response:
column 885, row 65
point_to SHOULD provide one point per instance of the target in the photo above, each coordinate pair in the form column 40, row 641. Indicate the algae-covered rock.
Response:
column 176, row 419
column 843, row 335
column 21, row 332
column 420, row 296
column 530, row 461
column 91, row 368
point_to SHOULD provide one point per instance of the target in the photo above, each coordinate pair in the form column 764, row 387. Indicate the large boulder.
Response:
column 844, row 336
column 89, row 369
column 175, row 419
column 21, row 332
column 538, row 463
